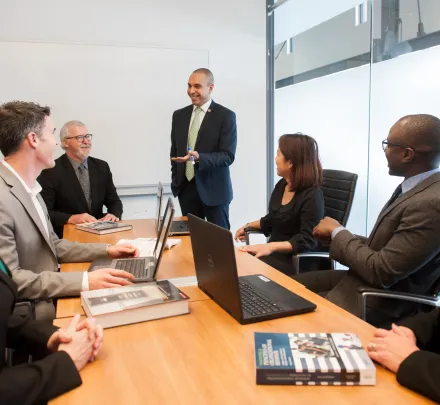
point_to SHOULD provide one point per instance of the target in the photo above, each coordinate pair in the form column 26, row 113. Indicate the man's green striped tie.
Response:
column 193, row 132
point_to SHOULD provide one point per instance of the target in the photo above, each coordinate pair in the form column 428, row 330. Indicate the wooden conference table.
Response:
column 206, row 357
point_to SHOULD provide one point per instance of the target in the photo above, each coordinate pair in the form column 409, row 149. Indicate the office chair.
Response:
column 338, row 188
column 23, row 308
column 432, row 299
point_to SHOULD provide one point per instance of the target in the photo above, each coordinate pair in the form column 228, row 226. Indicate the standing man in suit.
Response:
column 28, row 245
column 203, row 143
column 402, row 252
column 78, row 187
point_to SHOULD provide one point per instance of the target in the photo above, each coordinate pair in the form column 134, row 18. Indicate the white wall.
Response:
column 233, row 33
column 334, row 110
column 405, row 85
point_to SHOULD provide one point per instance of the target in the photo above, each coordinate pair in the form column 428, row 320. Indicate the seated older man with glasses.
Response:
column 402, row 253
column 79, row 186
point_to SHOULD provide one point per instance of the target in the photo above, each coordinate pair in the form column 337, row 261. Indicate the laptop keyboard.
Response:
column 180, row 226
column 254, row 302
column 133, row 266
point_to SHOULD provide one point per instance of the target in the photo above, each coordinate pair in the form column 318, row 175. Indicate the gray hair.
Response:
column 64, row 131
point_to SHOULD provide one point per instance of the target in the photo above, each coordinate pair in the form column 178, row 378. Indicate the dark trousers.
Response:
column 190, row 203
column 322, row 282
column 281, row 262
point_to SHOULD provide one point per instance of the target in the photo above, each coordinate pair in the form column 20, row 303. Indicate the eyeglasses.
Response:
column 386, row 144
column 80, row 138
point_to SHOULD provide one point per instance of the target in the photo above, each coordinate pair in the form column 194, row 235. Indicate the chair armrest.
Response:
column 249, row 230
column 28, row 304
column 314, row 254
column 364, row 293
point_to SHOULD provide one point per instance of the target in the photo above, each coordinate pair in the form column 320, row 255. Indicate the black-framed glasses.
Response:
column 80, row 138
column 386, row 144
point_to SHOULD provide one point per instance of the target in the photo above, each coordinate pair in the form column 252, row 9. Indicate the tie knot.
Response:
column 197, row 111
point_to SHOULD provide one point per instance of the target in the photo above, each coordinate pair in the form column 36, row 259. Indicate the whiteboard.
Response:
column 124, row 94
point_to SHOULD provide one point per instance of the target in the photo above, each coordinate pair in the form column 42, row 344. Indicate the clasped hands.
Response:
column 391, row 347
column 81, row 340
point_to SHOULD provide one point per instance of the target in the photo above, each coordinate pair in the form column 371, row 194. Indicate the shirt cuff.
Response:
column 85, row 282
column 336, row 231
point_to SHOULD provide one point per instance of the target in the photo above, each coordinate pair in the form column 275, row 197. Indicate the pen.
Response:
column 191, row 157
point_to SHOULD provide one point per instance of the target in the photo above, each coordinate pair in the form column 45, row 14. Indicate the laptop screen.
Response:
column 164, row 231
column 216, row 268
column 159, row 206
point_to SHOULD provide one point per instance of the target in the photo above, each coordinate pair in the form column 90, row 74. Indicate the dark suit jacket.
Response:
column 420, row 370
column 216, row 144
column 42, row 380
column 64, row 197
column 402, row 253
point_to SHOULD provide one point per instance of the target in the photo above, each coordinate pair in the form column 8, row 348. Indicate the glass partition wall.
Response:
column 344, row 72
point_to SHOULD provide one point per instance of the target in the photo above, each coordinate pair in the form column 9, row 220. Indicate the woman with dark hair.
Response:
column 296, row 205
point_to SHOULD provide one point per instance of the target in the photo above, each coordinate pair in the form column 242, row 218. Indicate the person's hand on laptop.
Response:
column 109, row 217
column 123, row 250
column 81, row 219
column 109, row 278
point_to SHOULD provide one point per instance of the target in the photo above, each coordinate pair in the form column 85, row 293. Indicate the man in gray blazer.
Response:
column 28, row 245
column 402, row 252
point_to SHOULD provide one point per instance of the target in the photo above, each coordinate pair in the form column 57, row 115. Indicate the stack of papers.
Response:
column 146, row 245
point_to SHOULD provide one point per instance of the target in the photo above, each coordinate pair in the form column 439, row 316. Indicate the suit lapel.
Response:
column 23, row 197
column 71, row 179
column 49, row 224
column 182, row 147
column 205, row 123
column 417, row 189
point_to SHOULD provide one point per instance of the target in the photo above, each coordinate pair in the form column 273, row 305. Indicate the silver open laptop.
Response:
column 143, row 268
column 178, row 227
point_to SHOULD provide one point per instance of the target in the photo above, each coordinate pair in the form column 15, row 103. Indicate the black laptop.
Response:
column 248, row 299
column 178, row 227
column 144, row 269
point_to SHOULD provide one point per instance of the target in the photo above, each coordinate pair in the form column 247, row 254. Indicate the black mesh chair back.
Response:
column 338, row 188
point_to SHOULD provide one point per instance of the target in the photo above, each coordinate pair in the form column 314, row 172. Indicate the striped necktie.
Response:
column 84, row 181
column 192, row 138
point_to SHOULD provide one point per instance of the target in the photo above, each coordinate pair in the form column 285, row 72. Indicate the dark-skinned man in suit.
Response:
column 402, row 252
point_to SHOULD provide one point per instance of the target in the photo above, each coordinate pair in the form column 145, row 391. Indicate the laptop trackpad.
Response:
column 100, row 264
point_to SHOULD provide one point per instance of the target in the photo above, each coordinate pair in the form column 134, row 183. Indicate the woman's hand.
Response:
column 240, row 235
column 258, row 250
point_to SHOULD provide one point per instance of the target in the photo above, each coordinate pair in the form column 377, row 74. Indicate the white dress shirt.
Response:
column 33, row 192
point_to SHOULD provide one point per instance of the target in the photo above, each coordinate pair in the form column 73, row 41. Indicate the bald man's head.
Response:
column 414, row 145
column 421, row 131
